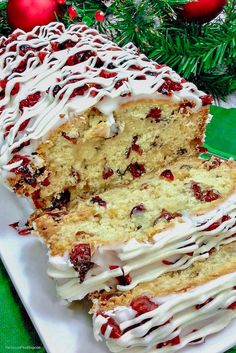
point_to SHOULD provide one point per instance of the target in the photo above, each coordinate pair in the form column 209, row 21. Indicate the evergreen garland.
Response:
column 204, row 54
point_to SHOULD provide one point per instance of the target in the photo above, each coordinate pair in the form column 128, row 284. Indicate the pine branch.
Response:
column 4, row 27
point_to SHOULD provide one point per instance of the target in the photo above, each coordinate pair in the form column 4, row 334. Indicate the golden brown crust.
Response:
column 219, row 263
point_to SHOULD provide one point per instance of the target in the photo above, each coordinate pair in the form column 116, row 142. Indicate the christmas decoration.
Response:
column 201, row 11
column 26, row 14
column 179, row 33
column 72, row 12
column 99, row 16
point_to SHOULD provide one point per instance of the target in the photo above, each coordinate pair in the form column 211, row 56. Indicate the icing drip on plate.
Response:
column 51, row 71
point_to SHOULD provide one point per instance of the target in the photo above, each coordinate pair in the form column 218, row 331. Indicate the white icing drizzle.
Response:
column 188, row 241
column 41, row 70
column 176, row 315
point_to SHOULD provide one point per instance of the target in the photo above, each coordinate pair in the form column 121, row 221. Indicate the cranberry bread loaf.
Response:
column 133, row 234
column 79, row 115
column 173, row 311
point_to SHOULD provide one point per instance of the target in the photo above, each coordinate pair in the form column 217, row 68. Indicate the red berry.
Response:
column 107, row 74
column 143, row 305
column 61, row 2
column 80, row 257
column 204, row 195
column 72, row 12
column 136, row 169
column 173, row 342
column 155, row 115
column 166, row 215
column 3, row 83
column 232, row 306
column 137, row 209
column 124, row 280
column 115, row 332
column 46, row 181
column 15, row 89
column 217, row 224
column 199, row 306
column 136, row 148
column 206, row 100
column 107, row 173
column 99, row 16
column 99, row 201
column 167, row 174
column 42, row 55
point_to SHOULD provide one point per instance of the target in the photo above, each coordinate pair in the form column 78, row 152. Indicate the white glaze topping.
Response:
column 175, row 316
column 175, row 249
column 52, row 72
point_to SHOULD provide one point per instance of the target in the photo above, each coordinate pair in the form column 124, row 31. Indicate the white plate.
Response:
column 62, row 329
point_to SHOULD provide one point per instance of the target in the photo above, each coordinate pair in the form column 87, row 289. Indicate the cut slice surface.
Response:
column 173, row 311
column 133, row 234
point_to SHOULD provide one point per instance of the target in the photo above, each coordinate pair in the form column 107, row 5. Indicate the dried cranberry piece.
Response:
column 232, row 306
column 137, row 209
column 166, row 215
column 107, row 173
column 202, row 149
column 39, row 204
column 107, row 74
column 136, row 148
column 217, row 224
column 119, row 83
column 24, row 125
column 30, row 101
column 173, row 342
column 67, row 137
column 55, row 46
column 61, row 200
column 143, row 305
column 199, row 306
column 46, row 181
column 115, row 332
column 136, row 169
column 21, row 67
column 206, row 100
column 99, row 201
column 3, row 84
column 124, row 280
column 80, row 257
column 42, row 55
column 168, row 86
column 79, row 91
column 55, row 90
column 167, row 174
column 22, row 167
column 15, row 89
column 21, row 230
column 155, row 115
column 136, row 67
column 24, row 144
column 167, row 262
column 204, row 195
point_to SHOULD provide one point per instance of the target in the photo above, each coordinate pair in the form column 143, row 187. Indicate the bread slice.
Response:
column 81, row 115
column 133, row 234
column 173, row 311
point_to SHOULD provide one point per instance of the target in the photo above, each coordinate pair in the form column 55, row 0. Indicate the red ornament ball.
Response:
column 201, row 11
column 99, row 16
column 26, row 14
